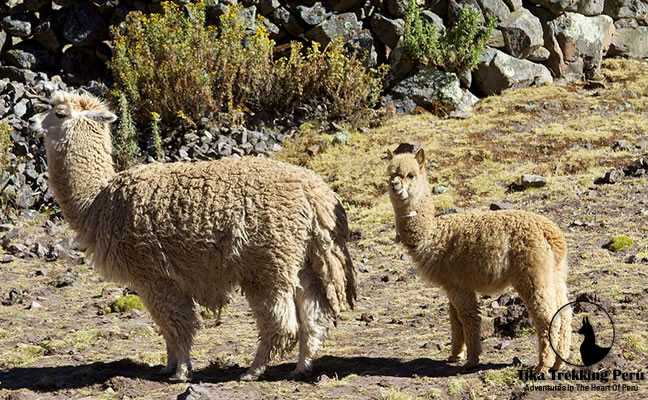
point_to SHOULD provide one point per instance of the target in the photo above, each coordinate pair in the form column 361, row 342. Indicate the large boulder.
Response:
column 283, row 18
column 587, row 7
column 387, row 30
column 344, row 26
column 522, row 33
column 362, row 45
column 84, row 25
column 314, row 14
column 630, row 42
column 498, row 72
column 496, row 8
column 583, row 42
column 555, row 6
column 19, row 25
column 432, row 89
column 617, row 9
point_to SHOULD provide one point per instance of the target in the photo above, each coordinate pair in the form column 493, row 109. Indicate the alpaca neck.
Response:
column 79, row 168
column 590, row 338
column 414, row 219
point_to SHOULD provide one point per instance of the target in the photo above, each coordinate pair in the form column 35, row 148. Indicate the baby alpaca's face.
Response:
column 407, row 176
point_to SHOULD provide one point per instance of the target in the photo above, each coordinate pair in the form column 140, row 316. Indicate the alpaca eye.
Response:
column 410, row 176
column 60, row 114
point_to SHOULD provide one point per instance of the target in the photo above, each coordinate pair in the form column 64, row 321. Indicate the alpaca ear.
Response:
column 390, row 155
column 103, row 117
column 420, row 158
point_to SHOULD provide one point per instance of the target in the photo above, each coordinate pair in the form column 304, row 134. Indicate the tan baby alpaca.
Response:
column 482, row 252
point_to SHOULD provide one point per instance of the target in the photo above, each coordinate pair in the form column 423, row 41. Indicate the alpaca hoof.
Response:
column 470, row 365
column 250, row 376
column 297, row 375
column 455, row 358
column 180, row 377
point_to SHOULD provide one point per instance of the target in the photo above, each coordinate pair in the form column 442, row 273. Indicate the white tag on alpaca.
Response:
column 412, row 213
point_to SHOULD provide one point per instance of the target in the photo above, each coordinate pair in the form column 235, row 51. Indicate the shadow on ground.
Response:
column 46, row 379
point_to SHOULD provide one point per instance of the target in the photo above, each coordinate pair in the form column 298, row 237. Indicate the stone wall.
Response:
column 568, row 37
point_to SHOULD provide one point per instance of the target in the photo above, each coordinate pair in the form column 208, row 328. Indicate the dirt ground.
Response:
column 57, row 342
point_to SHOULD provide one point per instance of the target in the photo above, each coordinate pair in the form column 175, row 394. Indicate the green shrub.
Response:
column 125, row 147
column 156, row 136
column 458, row 49
column 619, row 242
column 174, row 65
column 5, row 145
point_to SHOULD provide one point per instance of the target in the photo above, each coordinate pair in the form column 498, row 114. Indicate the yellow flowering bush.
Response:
column 179, row 68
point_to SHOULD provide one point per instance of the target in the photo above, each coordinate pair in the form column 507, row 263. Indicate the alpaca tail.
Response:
column 328, row 256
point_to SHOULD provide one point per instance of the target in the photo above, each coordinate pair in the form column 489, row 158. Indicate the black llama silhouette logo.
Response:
column 591, row 353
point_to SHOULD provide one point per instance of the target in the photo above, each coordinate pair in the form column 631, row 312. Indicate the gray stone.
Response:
column 532, row 180
column 387, row 30
column 29, row 55
column 313, row 15
column 3, row 39
column 362, row 45
column 17, row 25
column 498, row 71
column 47, row 36
column 587, row 7
column 500, row 206
column 630, row 42
column 344, row 26
column 522, row 33
column 20, row 108
column 496, row 8
column 274, row 32
column 539, row 55
column 396, row 7
column 455, row 6
column 266, row 7
column 555, row 6
column 583, row 42
column 16, row 74
column 431, row 88
column 496, row 40
column 84, row 25
column 514, row 5
column 342, row 137
column 282, row 17
column 432, row 18
column 636, row 9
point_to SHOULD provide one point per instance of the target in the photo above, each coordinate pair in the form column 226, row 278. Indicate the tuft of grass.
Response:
column 619, row 242
column 127, row 303
column 457, row 386
column 395, row 394
column 504, row 377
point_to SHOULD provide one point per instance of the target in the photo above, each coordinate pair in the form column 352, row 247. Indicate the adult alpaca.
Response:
column 482, row 252
column 186, row 233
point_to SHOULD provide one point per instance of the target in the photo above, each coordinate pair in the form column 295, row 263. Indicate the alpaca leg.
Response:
column 564, row 333
column 465, row 303
column 312, row 308
column 541, row 304
column 276, row 318
column 458, row 343
column 175, row 315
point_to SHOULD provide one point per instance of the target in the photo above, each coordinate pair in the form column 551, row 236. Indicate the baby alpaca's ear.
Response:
column 420, row 158
column 103, row 117
column 390, row 155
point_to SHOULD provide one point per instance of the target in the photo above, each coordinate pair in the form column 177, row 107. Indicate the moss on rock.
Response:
column 127, row 303
column 619, row 242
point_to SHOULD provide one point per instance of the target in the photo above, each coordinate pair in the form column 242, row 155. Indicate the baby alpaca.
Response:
column 189, row 233
column 482, row 252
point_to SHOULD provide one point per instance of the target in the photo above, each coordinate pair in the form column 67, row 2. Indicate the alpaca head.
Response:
column 407, row 179
column 68, row 108
column 586, row 329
